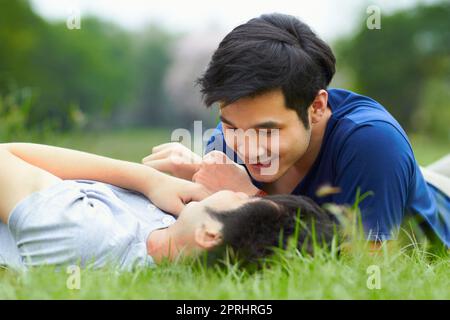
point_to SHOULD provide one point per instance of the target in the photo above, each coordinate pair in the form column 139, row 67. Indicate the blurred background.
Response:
column 116, row 77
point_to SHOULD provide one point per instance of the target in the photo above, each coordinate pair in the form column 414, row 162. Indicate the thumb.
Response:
column 177, row 206
column 217, row 157
column 198, row 192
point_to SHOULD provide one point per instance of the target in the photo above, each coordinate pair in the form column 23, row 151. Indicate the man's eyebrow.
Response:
column 267, row 125
column 263, row 125
column 227, row 121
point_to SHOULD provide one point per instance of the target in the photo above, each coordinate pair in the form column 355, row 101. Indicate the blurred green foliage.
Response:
column 76, row 78
column 101, row 76
column 405, row 65
column 13, row 114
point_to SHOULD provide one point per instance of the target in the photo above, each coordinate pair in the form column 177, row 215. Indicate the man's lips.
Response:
column 263, row 161
column 260, row 165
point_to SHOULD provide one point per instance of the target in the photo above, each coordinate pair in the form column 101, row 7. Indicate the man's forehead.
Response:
column 273, row 97
column 257, row 117
column 261, row 123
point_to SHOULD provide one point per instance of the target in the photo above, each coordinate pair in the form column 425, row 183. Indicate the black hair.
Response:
column 253, row 230
column 273, row 51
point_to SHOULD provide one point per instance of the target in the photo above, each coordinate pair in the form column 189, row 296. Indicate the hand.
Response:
column 175, row 159
column 218, row 172
column 172, row 194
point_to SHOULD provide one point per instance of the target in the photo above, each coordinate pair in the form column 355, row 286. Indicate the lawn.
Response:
column 404, row 272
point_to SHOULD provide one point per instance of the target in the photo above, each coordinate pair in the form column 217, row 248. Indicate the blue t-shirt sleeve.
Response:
column 217, row 142
column 376, row 158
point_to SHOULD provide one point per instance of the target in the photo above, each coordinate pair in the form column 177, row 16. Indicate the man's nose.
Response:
column 251, row 152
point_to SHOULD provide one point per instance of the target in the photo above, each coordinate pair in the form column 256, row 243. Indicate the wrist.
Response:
column 153, row 179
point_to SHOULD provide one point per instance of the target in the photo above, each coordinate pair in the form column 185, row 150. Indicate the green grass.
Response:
column 403, row 275
column 131, row 145
column 406, row 273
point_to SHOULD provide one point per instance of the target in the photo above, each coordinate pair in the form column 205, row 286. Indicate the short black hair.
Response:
column 273, row 51
column 253, row 230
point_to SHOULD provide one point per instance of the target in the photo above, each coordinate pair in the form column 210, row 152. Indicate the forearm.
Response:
column 70, row 164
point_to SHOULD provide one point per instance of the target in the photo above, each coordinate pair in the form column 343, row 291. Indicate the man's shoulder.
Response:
column 358, row 108
column 355, row 113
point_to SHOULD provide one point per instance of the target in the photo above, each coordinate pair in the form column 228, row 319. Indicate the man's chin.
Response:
column 263, row 175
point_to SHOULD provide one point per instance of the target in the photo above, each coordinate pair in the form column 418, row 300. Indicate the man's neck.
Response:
column 170, row 243
column 304, row 164
column 161, row 245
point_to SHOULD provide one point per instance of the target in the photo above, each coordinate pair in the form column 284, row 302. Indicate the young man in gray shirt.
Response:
column 125, row 214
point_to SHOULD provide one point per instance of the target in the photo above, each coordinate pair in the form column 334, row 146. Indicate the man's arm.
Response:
column 167, row 192
column 175, row 159
column 70, row 164
column 376, row 158
column 19, row 179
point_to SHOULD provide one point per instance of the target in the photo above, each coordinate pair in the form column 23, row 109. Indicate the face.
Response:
column 220, row 201
column 274, row 136
column 198, row 225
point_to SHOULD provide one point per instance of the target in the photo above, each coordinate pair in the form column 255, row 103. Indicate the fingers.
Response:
column 202, row 179
column 196, row 176
column 174, row 150
column 163, row 146
column 178, row 206
column 203, row 170
column 160, row 151
column 217, row 157
column 157, row 155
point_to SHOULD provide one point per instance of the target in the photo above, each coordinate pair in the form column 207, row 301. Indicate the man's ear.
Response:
column 207, row 238
column 318, row 106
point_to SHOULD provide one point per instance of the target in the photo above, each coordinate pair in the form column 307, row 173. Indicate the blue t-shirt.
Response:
column 365, row 147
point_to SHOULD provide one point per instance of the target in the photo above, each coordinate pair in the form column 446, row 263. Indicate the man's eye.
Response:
column 231, row 129
column 267, row 131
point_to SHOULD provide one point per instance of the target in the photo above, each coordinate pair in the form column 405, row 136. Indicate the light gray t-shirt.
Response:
column 81, row 222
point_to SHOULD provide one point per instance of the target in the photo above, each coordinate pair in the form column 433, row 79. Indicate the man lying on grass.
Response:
column 272, row 73
column 116, row 217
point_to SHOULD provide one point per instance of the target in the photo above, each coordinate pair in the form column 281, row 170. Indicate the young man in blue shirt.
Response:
column 272, row 73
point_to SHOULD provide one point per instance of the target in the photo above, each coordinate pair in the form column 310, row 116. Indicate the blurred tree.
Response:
column 21, row 32
column 190, row 58
column 151, row 59
column 77, row 75
column 92, row 66
column 404, row 64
